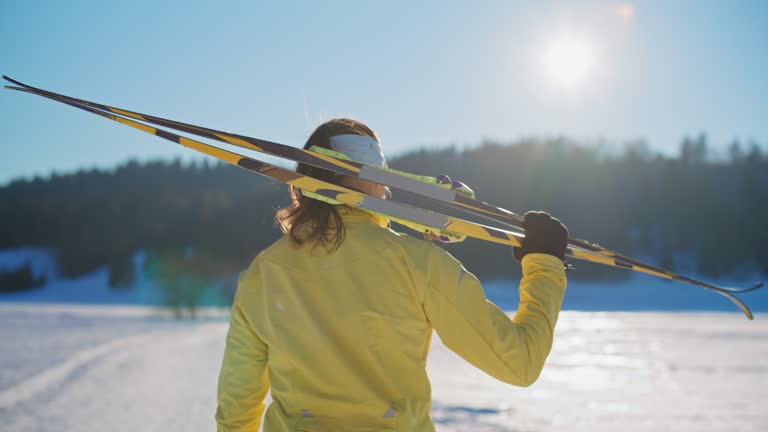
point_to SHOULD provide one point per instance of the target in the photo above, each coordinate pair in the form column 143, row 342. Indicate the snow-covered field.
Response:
column 107, row 368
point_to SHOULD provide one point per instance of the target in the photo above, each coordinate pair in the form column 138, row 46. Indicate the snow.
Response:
column 88, row 368
column 79, row 356
column 623, row 371
column 42, row 260
column 91, row 288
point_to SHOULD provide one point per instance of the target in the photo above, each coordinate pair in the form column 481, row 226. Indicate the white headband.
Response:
column 359, row 148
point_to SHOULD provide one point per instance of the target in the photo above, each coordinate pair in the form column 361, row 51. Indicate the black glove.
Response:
column 543, row 234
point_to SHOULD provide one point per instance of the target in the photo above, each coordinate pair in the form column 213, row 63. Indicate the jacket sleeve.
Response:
column 243, row 380
column 510, row 350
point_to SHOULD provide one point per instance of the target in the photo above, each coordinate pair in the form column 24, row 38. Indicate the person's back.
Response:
column 342, row 336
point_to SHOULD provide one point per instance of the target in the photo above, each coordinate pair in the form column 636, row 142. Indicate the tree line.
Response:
column 688, row 212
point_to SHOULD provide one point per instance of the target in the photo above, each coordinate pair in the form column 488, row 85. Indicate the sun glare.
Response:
column 569, row 61
column 626, row 11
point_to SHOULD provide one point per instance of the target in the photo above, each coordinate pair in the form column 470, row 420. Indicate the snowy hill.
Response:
column 92, row 288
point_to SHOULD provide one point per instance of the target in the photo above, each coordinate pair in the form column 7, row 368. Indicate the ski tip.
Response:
column 740, row 304
column 744, row 308
column 7, row 78
column 754, row 287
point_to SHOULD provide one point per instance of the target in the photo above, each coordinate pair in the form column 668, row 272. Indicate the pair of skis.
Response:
column 577, row 248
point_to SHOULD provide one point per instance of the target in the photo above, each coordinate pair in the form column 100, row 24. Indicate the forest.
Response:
column 688, row 212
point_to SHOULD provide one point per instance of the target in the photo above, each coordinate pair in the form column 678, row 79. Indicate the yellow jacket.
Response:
column 342, row 338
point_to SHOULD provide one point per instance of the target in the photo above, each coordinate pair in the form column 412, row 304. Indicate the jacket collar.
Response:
column 350, row 214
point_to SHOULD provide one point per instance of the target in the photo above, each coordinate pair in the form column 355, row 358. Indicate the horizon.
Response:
column 602, row 147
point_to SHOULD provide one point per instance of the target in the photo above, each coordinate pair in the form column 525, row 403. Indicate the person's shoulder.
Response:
column 273, row 252
column 412, row 245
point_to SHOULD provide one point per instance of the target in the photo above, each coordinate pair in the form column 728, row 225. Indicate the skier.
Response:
column 337, row 316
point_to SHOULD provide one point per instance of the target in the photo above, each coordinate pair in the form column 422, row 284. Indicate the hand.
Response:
column 543, row 234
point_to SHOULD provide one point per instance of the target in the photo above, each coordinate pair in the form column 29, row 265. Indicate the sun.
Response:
column 569, row 61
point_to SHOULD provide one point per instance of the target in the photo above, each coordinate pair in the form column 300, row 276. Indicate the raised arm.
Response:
column 511, row 350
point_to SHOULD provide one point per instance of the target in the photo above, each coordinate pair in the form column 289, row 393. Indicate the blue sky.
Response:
column 422, row 74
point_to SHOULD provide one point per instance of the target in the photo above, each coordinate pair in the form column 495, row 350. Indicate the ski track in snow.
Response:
column 105, row 368
column 53, row 376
